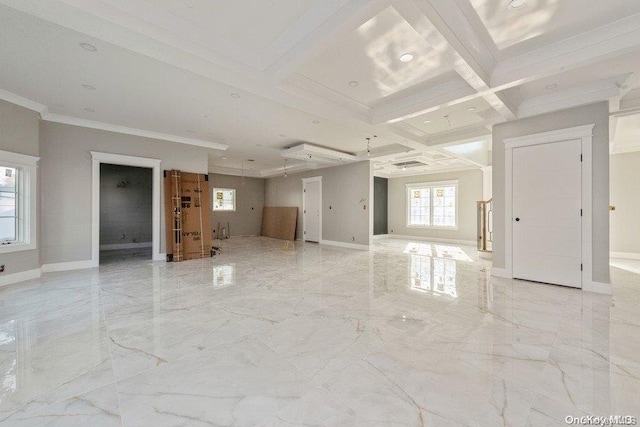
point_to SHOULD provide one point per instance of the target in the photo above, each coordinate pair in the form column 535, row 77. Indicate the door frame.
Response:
column 97, row 158
column 305, row 181
column 585, row 135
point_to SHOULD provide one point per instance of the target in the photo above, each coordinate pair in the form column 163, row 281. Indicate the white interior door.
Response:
column 312, row 204
column 547, row 216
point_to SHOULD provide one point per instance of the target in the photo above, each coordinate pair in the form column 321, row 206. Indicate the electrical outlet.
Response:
column 353, row 239
column 2, row 268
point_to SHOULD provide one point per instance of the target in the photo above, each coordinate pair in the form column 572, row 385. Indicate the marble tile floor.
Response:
column 408, row 334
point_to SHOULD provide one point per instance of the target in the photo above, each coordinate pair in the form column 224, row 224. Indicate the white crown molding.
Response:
column 580, row 95
column 56, row 118
column 221, row 170
column 22, row 101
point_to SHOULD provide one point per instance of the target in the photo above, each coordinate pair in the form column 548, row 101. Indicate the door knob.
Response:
column 517, row 219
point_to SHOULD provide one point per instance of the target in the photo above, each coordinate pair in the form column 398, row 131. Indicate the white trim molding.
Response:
column 118, row 246
column 20, row 276
column 68, row 266
column 97, row 158
column 585, row 135
column 625, row 255
column 305, row 181
column 425, row 238
column 345, row 245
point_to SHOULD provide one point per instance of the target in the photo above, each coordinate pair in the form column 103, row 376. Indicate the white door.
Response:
column 547, row 216
column 312, row 203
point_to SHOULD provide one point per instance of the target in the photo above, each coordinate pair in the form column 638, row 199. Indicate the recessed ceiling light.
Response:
column 427, row 122
column 552, row 86
column 235, row 95
column 89, row 110
column 89, row 87
column 224, row 158
column 89, row 47
column 471, row 109
column 316, row 122
column 514, row 4
column 406, row 57
column 353, row 83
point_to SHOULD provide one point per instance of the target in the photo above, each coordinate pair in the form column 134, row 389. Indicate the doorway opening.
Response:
column 312, row 209
column 126, row 201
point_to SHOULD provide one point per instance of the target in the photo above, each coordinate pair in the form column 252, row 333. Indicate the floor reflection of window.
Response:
column 223, row 276
column 433, row 275
column 439, row 251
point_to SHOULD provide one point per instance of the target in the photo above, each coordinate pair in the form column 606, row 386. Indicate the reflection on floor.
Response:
column 263, row 335
column 120, row 255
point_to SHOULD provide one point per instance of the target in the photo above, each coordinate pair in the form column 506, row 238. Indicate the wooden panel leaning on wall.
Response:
column 188, row 215
column 279, row 223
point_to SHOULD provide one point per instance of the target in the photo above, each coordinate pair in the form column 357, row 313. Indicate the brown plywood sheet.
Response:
column 279, row 222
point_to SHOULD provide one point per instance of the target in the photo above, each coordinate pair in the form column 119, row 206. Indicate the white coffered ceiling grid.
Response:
column 251, row 78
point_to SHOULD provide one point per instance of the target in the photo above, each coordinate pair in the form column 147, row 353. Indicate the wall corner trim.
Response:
column 67, row 266
column 345, row 245
column 20, row 276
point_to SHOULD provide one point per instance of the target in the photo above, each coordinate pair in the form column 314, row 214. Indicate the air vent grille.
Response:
column 411, row 164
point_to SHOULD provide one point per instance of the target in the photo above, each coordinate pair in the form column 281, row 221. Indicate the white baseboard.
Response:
column 116, row 246
column 66, row 266
column 428, row 239
column 625, row 255
column 160, row 257
column 21, row 276
column 345, row 245
column 500, row 272
column 598, row 288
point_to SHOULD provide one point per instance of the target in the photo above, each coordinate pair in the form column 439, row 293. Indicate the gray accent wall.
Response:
column 66, row 181
column 380, row 205
column 19, row 133
column 346, row 198
column 469, row 192
column 247, row 218
column 625, row 196
column 125, row 204
column 595, row 113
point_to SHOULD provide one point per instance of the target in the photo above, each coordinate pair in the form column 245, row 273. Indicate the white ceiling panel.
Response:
column 370, row 55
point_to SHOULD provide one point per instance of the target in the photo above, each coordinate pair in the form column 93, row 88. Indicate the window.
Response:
column 224, row 199
column 432, row 205
column 17, row 201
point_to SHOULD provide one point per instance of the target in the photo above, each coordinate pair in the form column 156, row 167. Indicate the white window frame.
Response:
column 235, row 201
column 411, row 186
column 27, row 200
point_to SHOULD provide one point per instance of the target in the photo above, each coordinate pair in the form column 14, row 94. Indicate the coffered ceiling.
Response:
column 249, row 78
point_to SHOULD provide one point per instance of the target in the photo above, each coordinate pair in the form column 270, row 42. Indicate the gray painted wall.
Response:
column 66, row 181
column 125, row 212
column 380, row 205
column 625, row 220
column 19, row 133
column 594, row 113
column 346, row 189
column 469, row 192
column 247, row 219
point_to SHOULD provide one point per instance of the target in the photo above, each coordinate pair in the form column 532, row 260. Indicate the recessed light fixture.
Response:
column 552, row 86
column 88, row 47
column 224, row 158
column 406, row 57
column 515, row 4
column 235, row 95
column 89, row 110
column 316, row 122
column 353, row 83
column 426, row 122
column 89, row 87
column 471, row 109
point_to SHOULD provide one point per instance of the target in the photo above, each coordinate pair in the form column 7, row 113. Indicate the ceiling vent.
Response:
column 411, row 164
column 311, row 153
